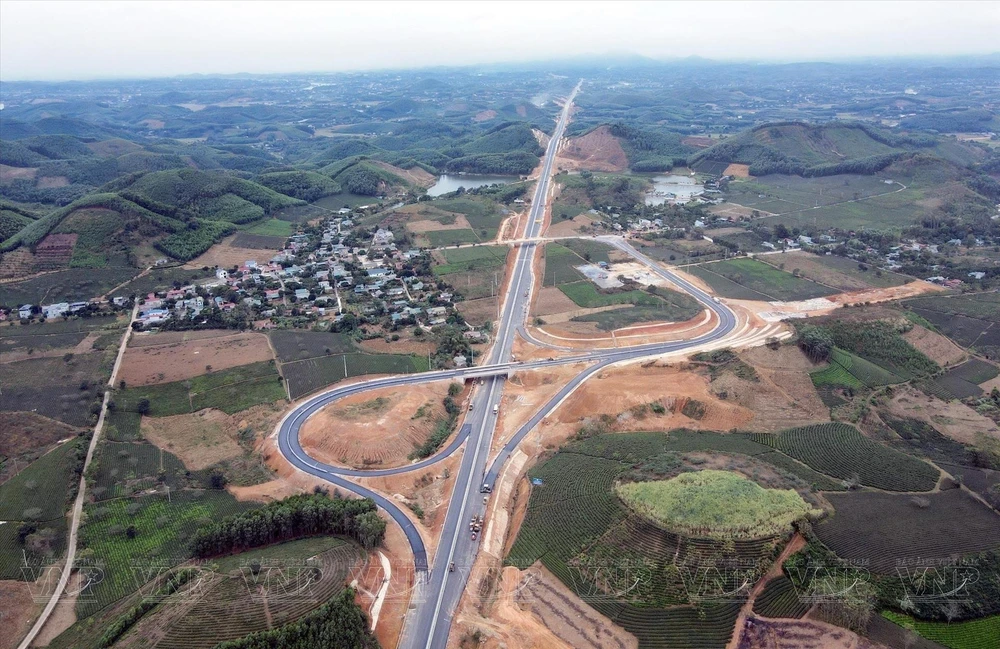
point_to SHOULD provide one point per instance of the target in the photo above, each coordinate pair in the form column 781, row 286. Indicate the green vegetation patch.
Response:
column 271, row 228
column 68, row 285
column 716, row 504
column 318, row 372
column 230, row 390
column 68, row 389
column 840, row 451
column 119, row 535
column 476, row 258
column 973, row 634
column 780, row 599
column 760, row 279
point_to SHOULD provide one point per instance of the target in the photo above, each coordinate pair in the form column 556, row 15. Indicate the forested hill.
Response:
column 813, row 150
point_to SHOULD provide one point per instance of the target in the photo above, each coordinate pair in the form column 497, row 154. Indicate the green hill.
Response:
column 196, row 191
column 811, row 150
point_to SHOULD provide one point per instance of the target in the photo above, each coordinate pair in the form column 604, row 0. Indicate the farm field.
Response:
column 229, row 390
column 575, row 527
column 34, row 502
column 780, row 599
column 749, row 279
column 312, row 360
column 27, row 436
column 961, row 381
column 176, row 361
column 230, row 610
column 161, row 279
column 54, row 387
column 161, row 526
column 829, row 201
column 56, row 334
column 876, row 527
column 473, row 272
column 969, row 320
column 840, row 451
column 836, row 272
column 973, row 634
column 271, row 228
column 314, row 373
column 71, row 285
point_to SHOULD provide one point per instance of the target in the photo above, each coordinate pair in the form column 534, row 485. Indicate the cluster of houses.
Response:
column 47, row 311
column 321, row 277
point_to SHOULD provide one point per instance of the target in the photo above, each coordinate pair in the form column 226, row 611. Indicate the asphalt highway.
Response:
column 438, row 590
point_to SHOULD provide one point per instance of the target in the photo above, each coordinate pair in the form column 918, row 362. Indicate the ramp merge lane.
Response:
column 437, row 590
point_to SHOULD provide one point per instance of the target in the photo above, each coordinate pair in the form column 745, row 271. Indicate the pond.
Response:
column 673, row 188
column 450, row 182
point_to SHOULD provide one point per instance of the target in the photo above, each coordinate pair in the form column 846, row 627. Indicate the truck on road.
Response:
column 496, row 408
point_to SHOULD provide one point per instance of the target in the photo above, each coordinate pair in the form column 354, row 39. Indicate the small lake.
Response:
column 450, row 182
column 674, row 188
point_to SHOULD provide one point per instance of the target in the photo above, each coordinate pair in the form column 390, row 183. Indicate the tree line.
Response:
column 294, row 517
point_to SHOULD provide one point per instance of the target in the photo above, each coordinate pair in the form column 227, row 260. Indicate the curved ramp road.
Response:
column 438, row 590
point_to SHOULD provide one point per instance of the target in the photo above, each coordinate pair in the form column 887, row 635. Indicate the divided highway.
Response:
column 438, row 590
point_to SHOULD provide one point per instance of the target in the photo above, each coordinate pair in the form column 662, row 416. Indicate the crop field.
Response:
column 160, row 528
column 579, row 528
column 52, row 334
column 38, row 496
column 482, row 216
column 160, row 279
column 314, row 373
column 848, row 370
column 122, row 426
column 618, row 318
column 836, row 374
column 879, row 528
column 54, row 387
column 69, row 285
column 442, row 238
column 758, row 279
column 976, row 479
column 969, row 320
column 973, row 634
column 472, row 271
column 961, row 381
column 880, row 342
column 780, row 599
column 272, row 228
column 230, row 390
column 476, row 258
column 230, row 608
column 838, row 272
column 560, row 263
column 840, row 451
column 257, row 241
column 293, row 345
column 829, row 201
column 126, row 468
column 920, row 438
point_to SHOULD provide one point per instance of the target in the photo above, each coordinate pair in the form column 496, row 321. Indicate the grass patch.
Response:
column 230, row 390
column 715, row 504
column 761, row 279
column 271, row 228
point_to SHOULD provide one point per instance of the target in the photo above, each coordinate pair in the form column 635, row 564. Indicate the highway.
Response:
column 437, row 591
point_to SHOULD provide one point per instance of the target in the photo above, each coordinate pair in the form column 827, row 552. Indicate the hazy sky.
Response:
column 83, row 40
